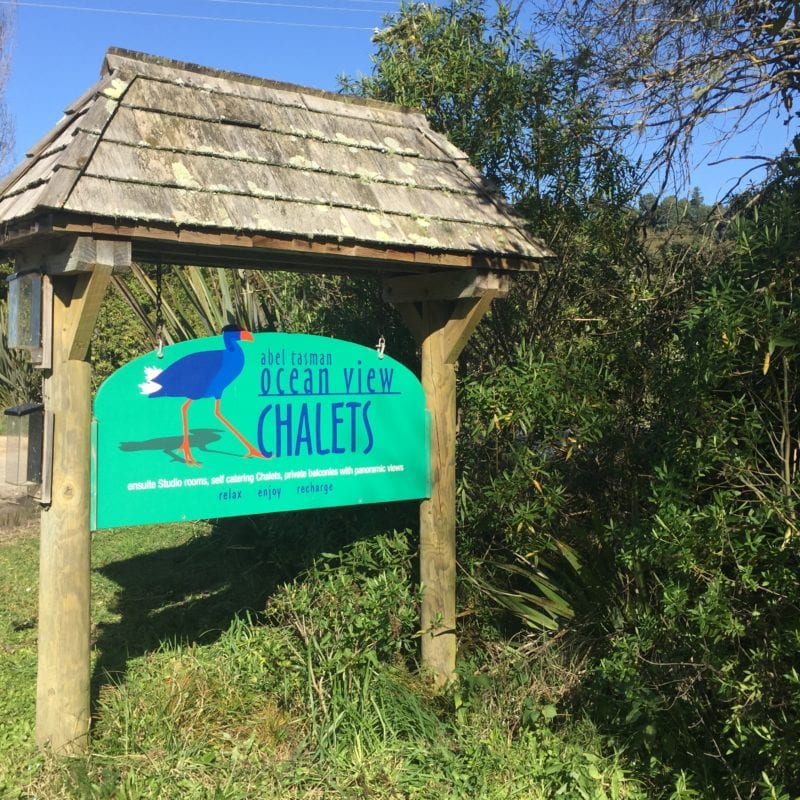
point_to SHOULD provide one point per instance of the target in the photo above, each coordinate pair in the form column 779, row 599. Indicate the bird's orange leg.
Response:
column 184, row 448
column 252, row 452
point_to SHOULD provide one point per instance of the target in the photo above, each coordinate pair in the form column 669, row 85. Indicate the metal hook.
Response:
column 160, row 346
column 381, row 346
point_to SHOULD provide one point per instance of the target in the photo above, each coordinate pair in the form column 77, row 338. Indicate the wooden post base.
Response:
column 437, row 515
column 441, row 310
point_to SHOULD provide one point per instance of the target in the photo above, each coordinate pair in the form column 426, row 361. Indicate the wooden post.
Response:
column 437, row 516
column 441, row 310
column 62, row 690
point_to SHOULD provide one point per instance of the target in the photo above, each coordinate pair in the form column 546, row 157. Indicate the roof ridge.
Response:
column 114, row 53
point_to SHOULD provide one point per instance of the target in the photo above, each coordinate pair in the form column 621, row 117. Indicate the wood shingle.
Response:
column 165, row 153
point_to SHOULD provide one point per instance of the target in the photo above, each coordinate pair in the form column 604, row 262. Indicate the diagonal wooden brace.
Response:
column 465, row 317
column 85, row 305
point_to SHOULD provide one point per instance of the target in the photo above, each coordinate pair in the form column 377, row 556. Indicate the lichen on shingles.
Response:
column 116, row 89
column 423, row 241
column 345, row 227
column 182, row 176
column 388, row 177
column 378, row 220
column 365, row 176
column 301, row 162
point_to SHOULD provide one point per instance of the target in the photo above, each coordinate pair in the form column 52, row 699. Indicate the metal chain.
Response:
column 159, row 315
column 381, row 346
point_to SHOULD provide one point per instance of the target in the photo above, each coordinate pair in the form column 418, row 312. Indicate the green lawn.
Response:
column 198, row 693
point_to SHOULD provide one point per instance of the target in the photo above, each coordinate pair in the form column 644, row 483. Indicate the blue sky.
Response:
column 58, row 47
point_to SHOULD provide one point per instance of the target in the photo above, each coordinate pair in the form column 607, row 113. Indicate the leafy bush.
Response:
column 701, row 670
column 530, row 433
column 351, row 613
column 318, row 702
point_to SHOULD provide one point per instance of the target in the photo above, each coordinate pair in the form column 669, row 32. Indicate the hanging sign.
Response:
column 242, row 423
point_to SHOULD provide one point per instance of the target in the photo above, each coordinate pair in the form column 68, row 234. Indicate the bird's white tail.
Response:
column 150, row 385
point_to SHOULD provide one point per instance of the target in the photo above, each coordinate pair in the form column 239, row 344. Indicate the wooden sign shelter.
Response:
column 164, row 162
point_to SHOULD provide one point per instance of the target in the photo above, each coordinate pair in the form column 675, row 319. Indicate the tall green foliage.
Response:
column 515, row 107
column 703, row 660
column 524, row 117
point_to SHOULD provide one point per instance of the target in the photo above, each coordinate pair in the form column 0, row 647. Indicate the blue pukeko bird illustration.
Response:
column 202, row 375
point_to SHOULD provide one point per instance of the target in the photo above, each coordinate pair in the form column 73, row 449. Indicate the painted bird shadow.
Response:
column 191, row 592
column 199, row 439
column 186, row 593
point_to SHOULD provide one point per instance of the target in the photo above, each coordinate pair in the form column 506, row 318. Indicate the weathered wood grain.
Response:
column 54, row 141
column 19, row 206
column 444, row 285
column 186, row 101
column 248, row 86
column 39, row 173
column 62, row 688
column 185, row 207
column 154, row 130
column 437, row 516
column 300, row 182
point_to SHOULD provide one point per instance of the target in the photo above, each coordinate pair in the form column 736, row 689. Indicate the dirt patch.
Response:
column 19, row 513
column 16, row 524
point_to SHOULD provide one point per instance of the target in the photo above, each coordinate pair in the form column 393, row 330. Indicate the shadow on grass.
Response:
column 190, row 593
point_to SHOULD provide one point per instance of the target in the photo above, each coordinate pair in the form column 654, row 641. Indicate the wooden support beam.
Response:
column 442, row 327
column 461, row 325
column 413, row 319
column 437, row 515
column 62, row 684
column 89, row 292
column 66, row 254
column 62, row 688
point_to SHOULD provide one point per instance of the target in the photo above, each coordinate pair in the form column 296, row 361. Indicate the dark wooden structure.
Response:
column 168, row 162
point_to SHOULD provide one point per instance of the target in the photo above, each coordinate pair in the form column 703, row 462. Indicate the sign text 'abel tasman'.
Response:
column 254, row 423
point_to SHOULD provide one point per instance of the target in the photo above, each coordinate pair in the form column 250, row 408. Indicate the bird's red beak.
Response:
column 246, row 335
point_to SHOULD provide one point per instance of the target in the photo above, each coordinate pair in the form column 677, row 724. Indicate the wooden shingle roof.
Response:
column 252, row 172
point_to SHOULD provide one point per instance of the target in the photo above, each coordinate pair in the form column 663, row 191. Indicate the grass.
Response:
column 17, row 659
column 312, row 693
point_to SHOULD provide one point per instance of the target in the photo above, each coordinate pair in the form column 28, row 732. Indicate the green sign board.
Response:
column 242, row 424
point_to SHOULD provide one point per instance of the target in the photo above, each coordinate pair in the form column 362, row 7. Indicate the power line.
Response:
column 193, row 17
column 393, row 3
column 294, row 5
column 298, row 5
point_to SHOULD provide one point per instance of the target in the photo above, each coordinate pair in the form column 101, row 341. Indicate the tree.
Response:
column 525, row 119
column 520, row 112
column 666, row 67
column 6, row 124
